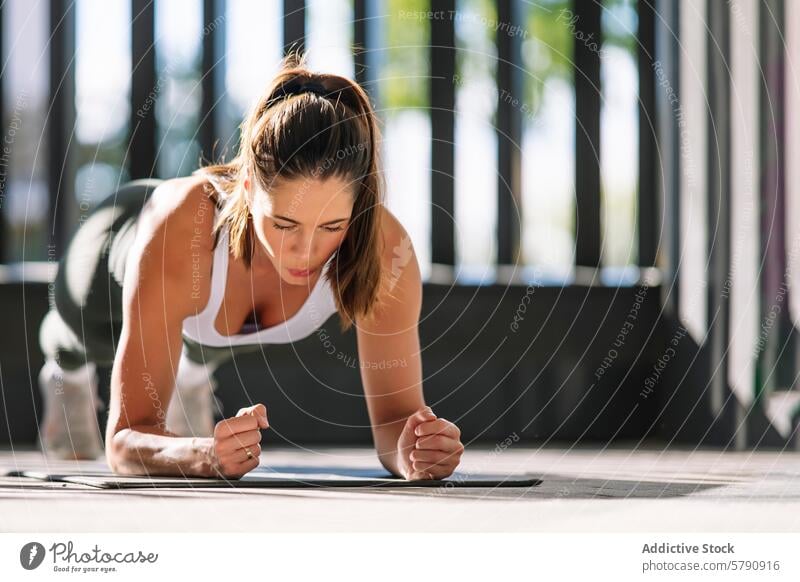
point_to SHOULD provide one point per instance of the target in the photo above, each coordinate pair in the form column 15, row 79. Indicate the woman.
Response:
column 160, row 279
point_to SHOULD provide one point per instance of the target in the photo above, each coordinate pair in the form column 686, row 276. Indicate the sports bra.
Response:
column 318, row 307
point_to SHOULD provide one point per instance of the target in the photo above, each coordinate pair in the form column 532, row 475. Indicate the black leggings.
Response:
column 85, row 317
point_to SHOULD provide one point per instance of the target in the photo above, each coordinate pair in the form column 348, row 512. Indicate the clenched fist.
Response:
column 428, row 447
column 236, row 448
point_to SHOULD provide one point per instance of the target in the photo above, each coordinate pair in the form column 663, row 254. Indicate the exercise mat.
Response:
column 286, row 477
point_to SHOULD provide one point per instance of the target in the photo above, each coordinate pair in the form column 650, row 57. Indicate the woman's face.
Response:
column 300, row 223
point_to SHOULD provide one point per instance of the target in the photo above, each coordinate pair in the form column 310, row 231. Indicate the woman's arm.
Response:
column 391, row 370
column 156, row 299
column 173, row 241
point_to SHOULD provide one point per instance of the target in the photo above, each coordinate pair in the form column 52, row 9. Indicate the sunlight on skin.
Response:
column 300, row 223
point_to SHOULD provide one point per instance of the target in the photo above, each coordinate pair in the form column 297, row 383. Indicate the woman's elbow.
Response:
column 117, row 449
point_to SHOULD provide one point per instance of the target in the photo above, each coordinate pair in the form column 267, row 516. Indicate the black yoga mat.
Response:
column 286, row 477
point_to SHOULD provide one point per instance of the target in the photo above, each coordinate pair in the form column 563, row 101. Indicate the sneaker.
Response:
column 191, row 408
column 69, row 428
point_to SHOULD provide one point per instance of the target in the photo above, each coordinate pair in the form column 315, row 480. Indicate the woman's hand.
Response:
column 236, row 442
column 428, row 447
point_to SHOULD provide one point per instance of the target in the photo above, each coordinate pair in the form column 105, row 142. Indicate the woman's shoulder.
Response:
column 394, row 236
column 398, row 258
column 175, row 238
column 184, row 194
column 184, row 206
column 400, row 292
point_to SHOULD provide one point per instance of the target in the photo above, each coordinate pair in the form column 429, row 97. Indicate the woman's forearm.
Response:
column 144, row 451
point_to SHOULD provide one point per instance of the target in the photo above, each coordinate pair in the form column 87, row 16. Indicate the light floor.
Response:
column 584, row 489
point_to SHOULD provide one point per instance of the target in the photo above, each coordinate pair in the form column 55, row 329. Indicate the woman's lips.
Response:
column 301, row 272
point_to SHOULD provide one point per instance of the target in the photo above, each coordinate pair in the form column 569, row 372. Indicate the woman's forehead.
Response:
column 307, row 199
column 308, row 189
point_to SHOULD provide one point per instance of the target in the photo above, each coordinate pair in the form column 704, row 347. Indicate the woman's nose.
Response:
column 302, row 245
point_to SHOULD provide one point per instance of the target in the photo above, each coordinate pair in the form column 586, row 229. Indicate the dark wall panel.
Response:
column 544, row 376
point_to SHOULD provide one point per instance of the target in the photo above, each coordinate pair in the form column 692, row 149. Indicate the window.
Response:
column 476, row 140
column 548, row 143
column 23, row 179
column 329, row 36
column 619, row 132
column 177, row 91
column 693, row 108
column 253, row 53
column 102, row 100
column 407, row 128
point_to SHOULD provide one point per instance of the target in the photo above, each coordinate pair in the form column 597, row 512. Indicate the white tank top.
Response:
column 315, row 311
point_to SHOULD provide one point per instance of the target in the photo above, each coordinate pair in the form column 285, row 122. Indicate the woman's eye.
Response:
column 291, row 226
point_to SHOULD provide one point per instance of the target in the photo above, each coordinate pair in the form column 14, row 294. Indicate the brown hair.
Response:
column 313, row 125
